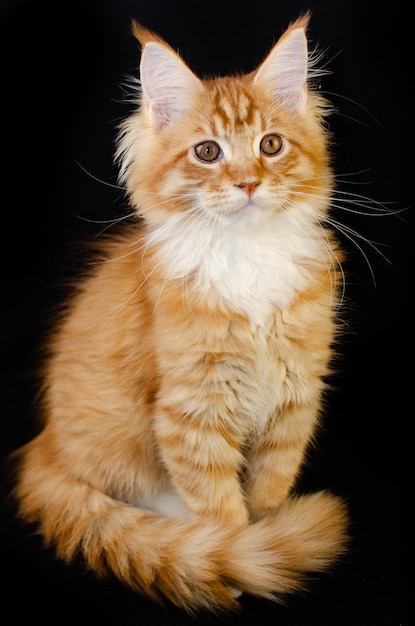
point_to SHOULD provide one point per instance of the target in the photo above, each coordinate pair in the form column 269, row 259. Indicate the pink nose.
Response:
column 250, row 187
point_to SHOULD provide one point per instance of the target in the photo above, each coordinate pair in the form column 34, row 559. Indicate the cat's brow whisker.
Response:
column 353, row 119
column 355, row 102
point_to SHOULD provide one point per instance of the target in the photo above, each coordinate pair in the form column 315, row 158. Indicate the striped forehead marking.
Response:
column 235, row 108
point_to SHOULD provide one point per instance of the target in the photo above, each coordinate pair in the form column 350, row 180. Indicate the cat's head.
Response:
column 240, row 149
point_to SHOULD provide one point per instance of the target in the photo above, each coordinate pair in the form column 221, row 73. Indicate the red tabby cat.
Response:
column 184, row 378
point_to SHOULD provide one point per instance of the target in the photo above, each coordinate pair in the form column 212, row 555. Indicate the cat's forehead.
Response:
column 233, row 104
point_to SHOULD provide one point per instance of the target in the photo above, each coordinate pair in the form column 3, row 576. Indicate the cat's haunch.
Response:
column 184, row 379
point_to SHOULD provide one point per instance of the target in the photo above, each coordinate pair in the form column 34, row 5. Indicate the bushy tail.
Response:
column 194, row 565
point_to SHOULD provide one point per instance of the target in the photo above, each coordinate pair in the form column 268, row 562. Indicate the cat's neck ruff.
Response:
column 251, row 270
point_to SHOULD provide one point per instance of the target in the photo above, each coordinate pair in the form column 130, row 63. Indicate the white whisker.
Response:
column 358, row 104
column 99, row 180
column 321, row 234
column 350, row 234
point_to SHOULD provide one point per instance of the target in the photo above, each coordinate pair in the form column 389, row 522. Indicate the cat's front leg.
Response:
column 276, row 458
column 203, row 460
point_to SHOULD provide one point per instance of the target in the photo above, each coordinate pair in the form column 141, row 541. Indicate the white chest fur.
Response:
column 252, row 269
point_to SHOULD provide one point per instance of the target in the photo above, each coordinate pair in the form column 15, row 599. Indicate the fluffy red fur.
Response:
column 184, row 380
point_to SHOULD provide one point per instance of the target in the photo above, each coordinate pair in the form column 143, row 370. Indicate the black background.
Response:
column 63, row 65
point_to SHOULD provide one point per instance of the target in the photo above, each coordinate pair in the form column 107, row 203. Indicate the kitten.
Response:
column 184, row 378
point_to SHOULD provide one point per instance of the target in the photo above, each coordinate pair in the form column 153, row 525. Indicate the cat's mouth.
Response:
column 246, row 205
column 251, row 207
column 249, row 212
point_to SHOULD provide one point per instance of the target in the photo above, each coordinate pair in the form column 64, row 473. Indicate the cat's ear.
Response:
column 284, row 71
column 167, row 83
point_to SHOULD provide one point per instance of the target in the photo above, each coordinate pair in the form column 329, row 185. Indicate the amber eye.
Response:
column 208, row 151
column 271, row 145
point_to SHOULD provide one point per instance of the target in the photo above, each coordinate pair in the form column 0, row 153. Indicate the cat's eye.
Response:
column 271, row 145
column 208, row 151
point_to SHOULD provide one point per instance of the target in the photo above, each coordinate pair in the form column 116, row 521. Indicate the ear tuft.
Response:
column 143, row 34
column 284, row 71
column 168, row 85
